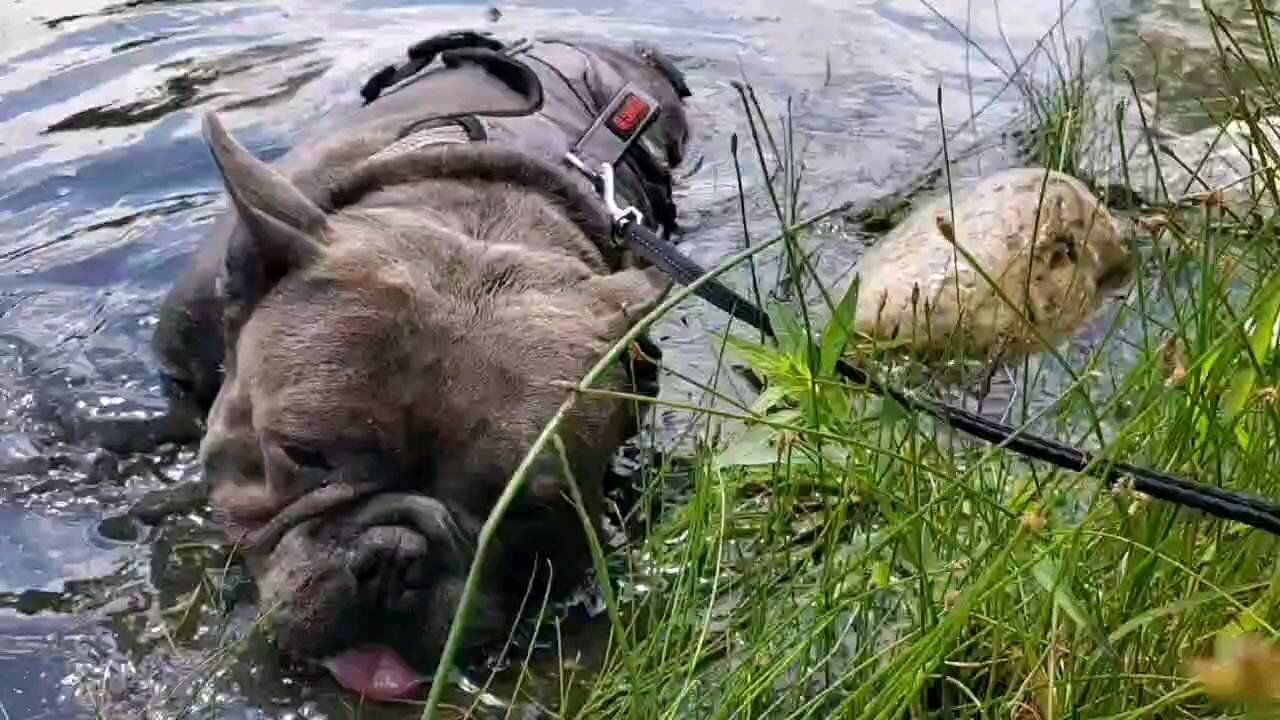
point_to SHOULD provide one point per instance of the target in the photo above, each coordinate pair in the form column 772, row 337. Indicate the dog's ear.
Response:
column 625, row 297
column 281, row 229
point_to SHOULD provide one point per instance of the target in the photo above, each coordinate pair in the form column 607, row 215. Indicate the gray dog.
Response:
column 381, row 326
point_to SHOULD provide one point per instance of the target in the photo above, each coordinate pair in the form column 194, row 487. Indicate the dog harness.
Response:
column 598, row 115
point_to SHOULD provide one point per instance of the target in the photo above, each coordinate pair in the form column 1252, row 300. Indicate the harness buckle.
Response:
column 622, row 216
column 623, row 120
column 603, row 181
column 612, row 132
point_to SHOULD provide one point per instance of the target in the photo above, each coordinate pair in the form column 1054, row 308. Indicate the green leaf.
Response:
column 763, row 360
column 1049, row 576
column 771, row 396
column 755, row 446
column 892, row 412
column 1191, row 602
column 836, row 336
column 792, row 339
column 1046, row 573
column 1261, row 342
column 881, row 575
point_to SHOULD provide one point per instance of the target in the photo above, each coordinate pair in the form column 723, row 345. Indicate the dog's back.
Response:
column 537, row 102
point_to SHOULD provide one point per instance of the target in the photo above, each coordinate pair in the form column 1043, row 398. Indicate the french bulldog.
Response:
column 384, row 320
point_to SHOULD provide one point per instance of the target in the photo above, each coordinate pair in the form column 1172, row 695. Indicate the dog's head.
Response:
column 384, row 376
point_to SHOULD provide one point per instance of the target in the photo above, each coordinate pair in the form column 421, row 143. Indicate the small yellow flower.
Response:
column 1131, row 500
column 1246, row 669
column 1139, row 501
column 1034, row 521
column 1173, row 358
column 1228, row 265
column 1123, row 488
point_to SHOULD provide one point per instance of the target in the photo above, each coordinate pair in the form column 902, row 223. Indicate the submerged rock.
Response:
column 1004, row 273
column 1225, row 162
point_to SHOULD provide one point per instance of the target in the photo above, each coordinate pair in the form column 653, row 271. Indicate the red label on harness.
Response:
column 631, row 115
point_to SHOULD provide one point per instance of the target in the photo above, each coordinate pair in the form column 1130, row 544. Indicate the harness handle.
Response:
column 422, row 53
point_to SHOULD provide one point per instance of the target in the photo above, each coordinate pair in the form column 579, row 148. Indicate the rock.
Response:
column 1217, row 161
column 919, row 288
column 20, row 455
column 155, row 506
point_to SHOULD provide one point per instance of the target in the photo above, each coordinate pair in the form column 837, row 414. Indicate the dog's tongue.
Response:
column 375, row 671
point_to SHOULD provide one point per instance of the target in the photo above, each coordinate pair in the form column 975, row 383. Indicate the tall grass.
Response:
column 834, row 555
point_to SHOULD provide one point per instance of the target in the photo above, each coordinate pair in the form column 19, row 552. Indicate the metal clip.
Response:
column 604, row 184
column 621, row 216
column 581, row 167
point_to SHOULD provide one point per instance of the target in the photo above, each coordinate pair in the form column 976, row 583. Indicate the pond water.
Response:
column 106, row 188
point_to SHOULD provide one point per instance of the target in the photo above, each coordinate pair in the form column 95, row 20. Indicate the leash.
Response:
column 616, row 129
column 1252, row 511
column 627, row 116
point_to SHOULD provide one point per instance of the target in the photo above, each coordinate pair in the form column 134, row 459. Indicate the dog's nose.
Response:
column 390, row 566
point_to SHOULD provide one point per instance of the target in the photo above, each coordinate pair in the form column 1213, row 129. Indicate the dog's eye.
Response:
column 306, row 457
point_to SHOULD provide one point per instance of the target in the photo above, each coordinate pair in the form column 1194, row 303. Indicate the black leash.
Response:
column 1250, row 510
column 615, row 131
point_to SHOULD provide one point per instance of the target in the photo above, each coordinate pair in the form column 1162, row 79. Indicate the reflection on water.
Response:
column 105, row 188
column 54, row 572
column 34, row 656
column 1178, row 56
column 40, row 554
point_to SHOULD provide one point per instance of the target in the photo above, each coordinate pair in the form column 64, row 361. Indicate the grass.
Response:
column 833, row 555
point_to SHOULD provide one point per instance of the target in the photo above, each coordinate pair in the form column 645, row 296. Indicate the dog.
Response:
column 383, row 321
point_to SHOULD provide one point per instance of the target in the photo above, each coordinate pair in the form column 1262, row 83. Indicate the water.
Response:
column 105, row 188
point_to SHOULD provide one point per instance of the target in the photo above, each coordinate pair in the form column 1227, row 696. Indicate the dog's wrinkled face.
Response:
column 384, row 377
